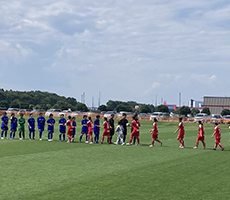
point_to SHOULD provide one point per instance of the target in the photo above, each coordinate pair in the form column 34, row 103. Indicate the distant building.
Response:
column 196, row 104
column 217, row 104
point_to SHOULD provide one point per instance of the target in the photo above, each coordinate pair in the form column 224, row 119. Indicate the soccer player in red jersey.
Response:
column 69, row 123
column 90, row 131
column 106, row 132
column 154, row 132
column 180, row 136
column 200, row 135
column 136, row 132
column 217, row 134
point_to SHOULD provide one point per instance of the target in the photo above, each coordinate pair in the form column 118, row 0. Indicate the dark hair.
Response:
column 155, row 120
column 119, row 122
column 90, row 118
column 216, row 124
column 124, row 114
column 69, row 117
column 200, row 122
column 32, row 114
column 98, row 116
column 12, row 114
column 51, row 115
column 40, row 113
column 84, row 116
column 105, row 118
column 73, row 117
column 181, row 118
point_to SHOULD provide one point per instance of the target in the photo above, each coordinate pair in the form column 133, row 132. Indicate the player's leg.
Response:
column 23, row 134
column 14, row 134
column 138, row 140
column 40, row 134
column 30, row 134
column 5, row 134
column 60, row 136
column 197, row 143
column 81, row 137
column 33, row 134
column 20, row 134
column 102, row 139
column 64, row 137
column 11, row 135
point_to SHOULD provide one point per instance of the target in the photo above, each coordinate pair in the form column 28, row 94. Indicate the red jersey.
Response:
column 90, row 124
column 106, row 126
column 70, row 125
column 217, row 132
column 201, row 130
column 181, row 127
column 155, row 130
column 135, row 124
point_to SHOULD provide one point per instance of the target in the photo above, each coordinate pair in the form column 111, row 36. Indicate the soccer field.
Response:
column 57, row 170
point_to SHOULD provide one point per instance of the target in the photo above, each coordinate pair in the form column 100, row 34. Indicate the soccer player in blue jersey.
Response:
column 50, row 123
column 84, row 129
column 31, row 125
column 14, row 124
column 97, row 128
column 74, row 124
column 62, row 127
column 41, row 125
column 4, row 125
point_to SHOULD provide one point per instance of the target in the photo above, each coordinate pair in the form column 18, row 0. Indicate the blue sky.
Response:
column 127, row 49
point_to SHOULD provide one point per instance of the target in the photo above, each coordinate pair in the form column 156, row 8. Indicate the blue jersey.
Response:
column 96, row 129
column 74, row 129
column 5, row 120
column 31, row 122
column 14, row 122
column 51, row 121
column 41, row 123
column 62, row 127
column 84, row 128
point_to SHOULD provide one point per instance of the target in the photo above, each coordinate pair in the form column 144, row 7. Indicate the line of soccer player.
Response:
column 89, row 127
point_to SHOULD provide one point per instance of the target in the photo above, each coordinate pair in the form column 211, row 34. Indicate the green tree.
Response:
column 162, row 108
column 102, row 108
column 24, row 105
column 194, row 111
column 225, row 112
column 185, row 110
column 4, row 104
column 15, row 104
column 82, row 107
column 122, row 107
column 146, row 108
column 206, row 110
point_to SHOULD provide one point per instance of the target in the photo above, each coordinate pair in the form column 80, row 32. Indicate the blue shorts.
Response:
column 50, row 131
column 31, row 129
column 96, row 132
column 13, row 129
column 40, row 129
column 62, row 131
column 5, row 128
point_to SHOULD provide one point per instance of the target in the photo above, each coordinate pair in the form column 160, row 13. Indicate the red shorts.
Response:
column 154, row 136
column 106, row 133
column 135, row 134
column 200, row 138
column 180, row 136
column 90, row 132
column 217, row 140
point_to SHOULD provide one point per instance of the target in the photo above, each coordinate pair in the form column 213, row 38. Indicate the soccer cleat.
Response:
column 59, row 140
column 222, row 149
column 91, row 143
column 182, row 147
column 151, row 145
column 2, row 138
column 128, row 144
column 123, row 143
column 195, row 147
column 161, row 144
column 86, row 142
column 40, row 139
column 214, row 149
column 20, row 138
column 137, row 144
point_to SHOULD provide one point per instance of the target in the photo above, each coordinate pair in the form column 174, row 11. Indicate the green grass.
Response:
column 55, row 170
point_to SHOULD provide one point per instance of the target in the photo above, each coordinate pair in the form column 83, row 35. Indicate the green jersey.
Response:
column 21, row 124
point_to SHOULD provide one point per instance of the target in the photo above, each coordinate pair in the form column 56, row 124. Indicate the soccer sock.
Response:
column 10, row 135
column 221, row 146
column 48, row 136
column 86, row 137
column 138, row 141
column 30, row 135
column 40, row 135
column 134, row 140
column 153, row 142
column 23, row 134
column 2, row 134
column 60, row 137
column 158, row 141
column 5, row 134
column 33, row 135
column 13, row 135
column 80, row 138
column 204, row 144
column 51, row 136
column 20, row 134
column 182, row 142
column 102, row 139
column 215, row 146
column 197, row 143
column 110, row 139
column 130, row 141
column 64, row 136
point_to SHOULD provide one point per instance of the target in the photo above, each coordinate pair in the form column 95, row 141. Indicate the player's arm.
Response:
column 151, row 131
column 213, row 134
column 176, row 131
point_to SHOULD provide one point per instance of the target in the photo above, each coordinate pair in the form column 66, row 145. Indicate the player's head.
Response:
column 90, row 118
column 69, row 117
column 12, row 115
column 135, row 117
column 62, row 115
column 21, row 114
column 105, row 118
column 73, row 118
column 31, row 114
column 229, row 123
column 98, row 116
column 84, row 116
column 180, row 119
column 51, row 116
column 40, row 114
column 155, row 120
column 112, row 116
column 215, row 124
column 4, row 113
column 124, row 115
column 119, row 122
column 200, row 122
